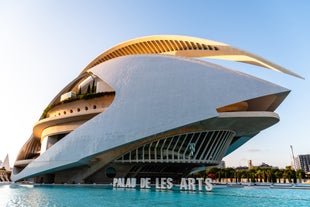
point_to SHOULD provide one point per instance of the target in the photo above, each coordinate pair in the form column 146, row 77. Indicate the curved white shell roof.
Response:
column 153, row 94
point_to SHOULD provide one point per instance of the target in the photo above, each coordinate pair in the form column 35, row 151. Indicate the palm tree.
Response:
column 252, row 174
column 300, row 174
column 289, row 174
column 211, row 172
column 268, row 175
column 273, row 172
column 244, row 174
column 238, row 175
column 220, row 175
column 259, row 174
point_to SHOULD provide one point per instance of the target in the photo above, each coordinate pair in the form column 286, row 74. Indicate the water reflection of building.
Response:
column 147, row 108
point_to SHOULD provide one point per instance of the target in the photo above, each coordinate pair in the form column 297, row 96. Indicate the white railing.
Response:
column 206, row 147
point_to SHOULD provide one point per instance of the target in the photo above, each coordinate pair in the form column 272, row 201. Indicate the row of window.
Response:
column 77, row 110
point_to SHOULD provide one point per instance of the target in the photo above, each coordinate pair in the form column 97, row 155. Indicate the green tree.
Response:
column 252, row 174
column 273, row 174
column 229, row 173
column 259, row 174
column 211, row 173
column 220, row 175
column 300, row 174
column 241, row 174
column 244, row 174
column 289, row 174
column 279, row 174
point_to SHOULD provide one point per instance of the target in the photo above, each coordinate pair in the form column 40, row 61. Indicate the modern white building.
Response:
column 148, row 108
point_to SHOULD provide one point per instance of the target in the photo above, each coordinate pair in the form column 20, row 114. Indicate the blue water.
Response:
column 29, row 195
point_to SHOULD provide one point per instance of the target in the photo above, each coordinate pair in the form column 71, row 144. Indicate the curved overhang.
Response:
column 236, row 120
column 185, row 46
column 56, row 121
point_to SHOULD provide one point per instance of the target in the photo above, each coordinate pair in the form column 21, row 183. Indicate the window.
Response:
column 110, row 172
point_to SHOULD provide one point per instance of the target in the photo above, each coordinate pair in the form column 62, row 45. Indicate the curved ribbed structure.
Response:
column 187, row 47
column 146, row 108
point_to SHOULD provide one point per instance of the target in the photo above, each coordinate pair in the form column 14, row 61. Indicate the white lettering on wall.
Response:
column 121, row 183
column 163, row 183
column 186, row 184
column 208, row 183
column 145, row 183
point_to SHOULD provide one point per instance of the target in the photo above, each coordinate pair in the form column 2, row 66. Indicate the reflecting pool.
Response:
column 96, row 195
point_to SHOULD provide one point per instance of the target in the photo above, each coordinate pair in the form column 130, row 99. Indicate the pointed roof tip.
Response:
column 6, row 163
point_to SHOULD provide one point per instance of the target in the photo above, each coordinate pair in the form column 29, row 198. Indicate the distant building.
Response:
column 5, row 164
column 250, row 165
column 5, row 170
column 264, row 165
column 241, row 168
column 222, row 165
column 303, row 162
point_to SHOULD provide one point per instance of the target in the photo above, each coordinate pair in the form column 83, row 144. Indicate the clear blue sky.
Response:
column 46, row 44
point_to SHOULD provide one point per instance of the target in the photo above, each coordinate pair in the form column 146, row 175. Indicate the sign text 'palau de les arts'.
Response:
column 186, row 184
